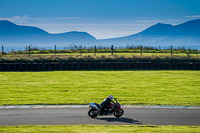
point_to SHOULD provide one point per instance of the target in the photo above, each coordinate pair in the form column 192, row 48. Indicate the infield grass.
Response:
column 100, row 129
column 83, row 87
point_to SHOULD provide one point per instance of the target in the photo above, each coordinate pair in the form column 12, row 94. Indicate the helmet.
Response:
column 111, row 97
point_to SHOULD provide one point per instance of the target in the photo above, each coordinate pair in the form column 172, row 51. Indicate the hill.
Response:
column 17, row 35
column 160, row 34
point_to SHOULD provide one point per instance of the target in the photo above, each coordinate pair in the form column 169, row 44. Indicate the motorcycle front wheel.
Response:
column 119, row 113
column 92, row 113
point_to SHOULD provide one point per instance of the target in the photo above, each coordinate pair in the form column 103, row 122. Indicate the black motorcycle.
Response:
column 113, row 108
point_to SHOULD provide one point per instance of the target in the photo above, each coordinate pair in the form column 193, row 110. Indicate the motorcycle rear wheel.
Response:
column 92, row 113
column 119, row 113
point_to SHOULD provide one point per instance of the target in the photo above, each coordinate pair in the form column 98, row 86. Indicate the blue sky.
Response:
column 101, row 18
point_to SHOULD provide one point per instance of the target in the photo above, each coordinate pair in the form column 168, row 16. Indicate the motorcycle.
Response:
column 113, row 108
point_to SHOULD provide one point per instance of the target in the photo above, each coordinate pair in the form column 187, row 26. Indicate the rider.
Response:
column 105, row 103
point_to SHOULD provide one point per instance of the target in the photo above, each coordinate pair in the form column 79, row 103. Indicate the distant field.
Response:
column 102, row 57
column 107, row 54
column 99, row 129
column 126, row 51
column 82, row 87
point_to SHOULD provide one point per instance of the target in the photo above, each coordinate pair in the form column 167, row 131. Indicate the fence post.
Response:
column 55, row 50
column 112, row 48
column 2, row 50
column 141, row 50
column 171, row 50
column 95, row 50
column 29, row 50
column 81, row 49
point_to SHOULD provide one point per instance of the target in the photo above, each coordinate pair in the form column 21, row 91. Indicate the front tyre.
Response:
column 92, row 113
column 119, row 113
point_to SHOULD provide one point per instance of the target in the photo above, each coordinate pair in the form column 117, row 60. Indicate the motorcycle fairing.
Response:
column 94, row 105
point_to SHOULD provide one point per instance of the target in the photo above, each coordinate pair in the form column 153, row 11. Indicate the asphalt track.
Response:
column 76, row 116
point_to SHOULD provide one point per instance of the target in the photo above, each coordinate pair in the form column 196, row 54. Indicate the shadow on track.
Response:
column 121, row 119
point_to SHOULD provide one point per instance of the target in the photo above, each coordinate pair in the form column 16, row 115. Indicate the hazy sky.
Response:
column 101, row 18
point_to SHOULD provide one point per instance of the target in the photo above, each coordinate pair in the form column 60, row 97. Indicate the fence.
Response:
column 94, row 50
column 101, row 64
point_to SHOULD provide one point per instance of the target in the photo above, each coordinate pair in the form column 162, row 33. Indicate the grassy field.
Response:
column 123, row 57
column 107, row 54
column 82, row 87
column 100, row 129
column 137, row 49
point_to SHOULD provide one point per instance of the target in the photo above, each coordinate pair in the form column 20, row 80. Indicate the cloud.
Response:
column 26, row 18
column 149, row 21
column 193, row 16
column 63, row 18
column 23, row 18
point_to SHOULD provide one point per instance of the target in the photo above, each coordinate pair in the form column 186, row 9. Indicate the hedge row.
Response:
column 54, row 66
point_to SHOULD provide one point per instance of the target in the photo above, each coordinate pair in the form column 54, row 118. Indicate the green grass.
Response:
column 121, row 57
column 109, row 53
column 35, row 50
column 100, row 129
column 82, row 87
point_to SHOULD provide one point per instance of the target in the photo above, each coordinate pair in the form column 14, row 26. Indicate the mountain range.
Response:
column 187, row 33
column 160, row 34
column 17, row 35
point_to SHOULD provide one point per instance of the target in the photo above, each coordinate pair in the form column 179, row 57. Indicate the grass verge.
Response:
column 122, row 57
column 82, row 87
column 100, row 129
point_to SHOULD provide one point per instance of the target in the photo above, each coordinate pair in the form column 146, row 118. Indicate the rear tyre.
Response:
column 92, row 113
column 119, row 113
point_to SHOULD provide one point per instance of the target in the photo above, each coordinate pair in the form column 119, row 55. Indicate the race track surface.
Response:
column 75, row 116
